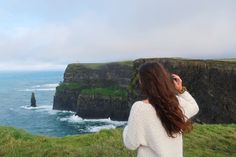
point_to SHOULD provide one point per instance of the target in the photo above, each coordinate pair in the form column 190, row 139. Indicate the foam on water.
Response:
column 67, row 118
column 35, row 89
column 92, row 125
column 43, row 87
column 108, row 120
column 98, row 128
column 52, row 85
column 45, row 108
column 15, row 94
column 41, row 107
column 76, row 119
column 72, row 119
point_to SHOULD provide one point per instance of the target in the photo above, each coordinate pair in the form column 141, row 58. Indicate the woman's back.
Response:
column 146, row 133
column 155, row 128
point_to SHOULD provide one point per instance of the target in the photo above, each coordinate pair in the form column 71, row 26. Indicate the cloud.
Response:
column 119, row 30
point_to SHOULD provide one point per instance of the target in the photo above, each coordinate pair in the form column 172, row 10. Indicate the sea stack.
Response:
column 33, row 100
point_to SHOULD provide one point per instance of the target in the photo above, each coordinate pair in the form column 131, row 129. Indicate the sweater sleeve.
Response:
column 133, row 134
column 188, row 104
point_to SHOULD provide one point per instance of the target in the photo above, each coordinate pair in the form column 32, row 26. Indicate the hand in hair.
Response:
column 177, row 82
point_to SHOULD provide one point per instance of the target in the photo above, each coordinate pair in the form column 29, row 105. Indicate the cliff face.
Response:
column 84, row 90
column 99, row 75
column 211, row 83
column 95, row 107
column 95, row 90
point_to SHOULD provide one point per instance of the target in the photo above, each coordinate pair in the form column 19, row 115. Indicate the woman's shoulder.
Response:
column 143, row 111
column 141, row 106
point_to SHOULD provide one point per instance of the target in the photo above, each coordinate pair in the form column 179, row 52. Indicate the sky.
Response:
column 49, row 34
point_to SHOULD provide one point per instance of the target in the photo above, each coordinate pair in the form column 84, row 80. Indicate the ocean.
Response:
column 16, row 88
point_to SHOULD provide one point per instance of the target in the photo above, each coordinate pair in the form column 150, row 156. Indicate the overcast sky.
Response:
column 48, row 34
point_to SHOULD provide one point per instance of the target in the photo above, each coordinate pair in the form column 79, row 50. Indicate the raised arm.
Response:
column 188, row 104
column 186, row 101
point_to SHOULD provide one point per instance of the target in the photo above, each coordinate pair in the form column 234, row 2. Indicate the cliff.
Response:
column 211, row 83
column 108, row 90
column 95, row 90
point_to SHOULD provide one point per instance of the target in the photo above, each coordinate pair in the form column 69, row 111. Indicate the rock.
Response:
column 66, row 99
column 99, row 75
column 86, row 76
column 33, row 100
column 211, row 83
column 114, row 108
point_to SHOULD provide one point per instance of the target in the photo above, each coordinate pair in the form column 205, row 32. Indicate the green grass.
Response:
column 109, row 91
column 211, row 141
column 70, row 86
column 96, row 66
column 114, row 92
column 93, row 65
column 203, row 141
column 229, row 59
column 125, row 62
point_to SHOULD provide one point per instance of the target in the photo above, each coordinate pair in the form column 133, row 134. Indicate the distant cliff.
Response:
column 108, row 90
column 95, row 90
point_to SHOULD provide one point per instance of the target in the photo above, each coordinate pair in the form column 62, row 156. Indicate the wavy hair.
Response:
column 157, row 86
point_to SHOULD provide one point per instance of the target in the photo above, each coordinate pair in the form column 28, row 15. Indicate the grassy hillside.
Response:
column 230, row 59
column 204, row 141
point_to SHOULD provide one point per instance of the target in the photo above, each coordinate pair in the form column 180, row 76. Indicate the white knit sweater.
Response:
column 146, row 133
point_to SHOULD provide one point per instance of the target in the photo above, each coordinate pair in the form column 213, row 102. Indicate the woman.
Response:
column 156, row 124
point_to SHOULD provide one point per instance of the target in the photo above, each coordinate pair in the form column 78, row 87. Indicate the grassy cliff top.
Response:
column 113, row 92
column 224, row 64
column 109, row 91
column 96, row 66
column 189, row 60
column 229, row 60
column 204, row 140
column 68, row 86
column 211, row 62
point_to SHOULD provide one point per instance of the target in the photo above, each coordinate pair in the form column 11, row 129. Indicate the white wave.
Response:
column 108, row 120
column 52, row 85
column 77, row 119
column 41, row 107
column 64, row 111
column 37, row 89
column 43, row 87
column 98, row 128
column 72, row 119
column 51, row 111
column 45, row 108
column 94, row 128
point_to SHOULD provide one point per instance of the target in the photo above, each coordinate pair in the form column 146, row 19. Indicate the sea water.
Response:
column 16, row 88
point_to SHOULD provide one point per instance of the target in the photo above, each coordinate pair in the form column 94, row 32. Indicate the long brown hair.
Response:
column 157, row 86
